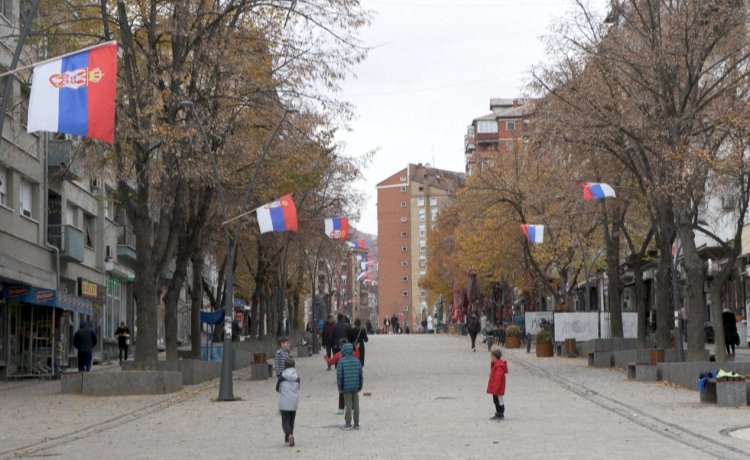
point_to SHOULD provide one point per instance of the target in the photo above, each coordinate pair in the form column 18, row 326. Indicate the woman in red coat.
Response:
column 496, row 385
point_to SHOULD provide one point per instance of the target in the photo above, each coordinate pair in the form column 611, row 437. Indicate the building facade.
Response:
column 497, row 132
column 408, row 205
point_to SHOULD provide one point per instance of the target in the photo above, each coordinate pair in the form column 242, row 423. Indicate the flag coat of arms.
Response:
column 337, row 227
column 534, row 233
column 597, row 191
column 75, row 94
column 278, row 216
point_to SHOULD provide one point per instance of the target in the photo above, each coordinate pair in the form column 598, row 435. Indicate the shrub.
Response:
column 543, row 337
column 513, row 330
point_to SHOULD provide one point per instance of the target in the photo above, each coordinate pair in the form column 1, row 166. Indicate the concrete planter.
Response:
column 122, row 383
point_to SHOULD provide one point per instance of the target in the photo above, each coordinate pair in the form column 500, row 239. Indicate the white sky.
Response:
column 433, row 68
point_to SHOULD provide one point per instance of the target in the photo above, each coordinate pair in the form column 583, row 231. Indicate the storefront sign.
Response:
column 88, row 289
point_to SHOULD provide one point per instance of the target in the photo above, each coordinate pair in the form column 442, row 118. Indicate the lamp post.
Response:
column 226, row 392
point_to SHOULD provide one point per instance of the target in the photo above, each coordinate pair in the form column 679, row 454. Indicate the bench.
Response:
column 725, row 392
column 642, row 372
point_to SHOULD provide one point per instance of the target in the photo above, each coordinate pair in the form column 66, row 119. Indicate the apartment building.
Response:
column 496, row 133
column 409, row 202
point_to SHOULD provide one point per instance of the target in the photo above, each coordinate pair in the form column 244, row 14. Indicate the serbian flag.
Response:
column 75, row 94
column 278, row 216
column 596, row 191
column 534, row 233
column 337, row 228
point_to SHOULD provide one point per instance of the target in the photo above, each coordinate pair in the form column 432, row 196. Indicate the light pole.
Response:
column 226, row 392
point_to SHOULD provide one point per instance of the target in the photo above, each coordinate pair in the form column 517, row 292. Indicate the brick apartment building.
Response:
column 408, row 202
column 497, row 132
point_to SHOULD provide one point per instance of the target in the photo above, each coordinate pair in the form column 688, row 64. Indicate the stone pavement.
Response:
column 428, row 401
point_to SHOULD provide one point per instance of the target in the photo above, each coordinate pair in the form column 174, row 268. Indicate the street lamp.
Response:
column 226, row 392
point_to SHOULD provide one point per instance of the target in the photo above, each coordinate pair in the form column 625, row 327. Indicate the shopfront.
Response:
column 35, row 322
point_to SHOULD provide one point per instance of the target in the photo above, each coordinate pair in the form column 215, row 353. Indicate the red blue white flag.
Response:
column 75, row 94
column 596, row 191
column 534, row 233
column 278, row 216
column 337, row 228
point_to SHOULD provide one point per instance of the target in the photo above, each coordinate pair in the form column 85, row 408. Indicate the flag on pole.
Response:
column 278, row 216
column 597, row 191
column 337, row 228
column 75, row 94
column 534, row 233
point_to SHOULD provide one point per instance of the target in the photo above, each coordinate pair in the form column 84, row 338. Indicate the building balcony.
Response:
column 60, row 160
column 68, row 239
column 126, row 244
column 485, row 138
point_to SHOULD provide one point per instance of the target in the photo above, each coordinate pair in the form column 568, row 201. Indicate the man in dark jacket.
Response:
column 472, row 327
column 85, row 341
column 340, row 331
column 328, row 339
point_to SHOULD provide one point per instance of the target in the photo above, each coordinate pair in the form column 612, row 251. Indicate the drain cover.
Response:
column 741, row 433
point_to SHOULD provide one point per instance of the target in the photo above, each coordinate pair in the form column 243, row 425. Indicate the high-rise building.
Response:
column 497, row 132
column 408, row 205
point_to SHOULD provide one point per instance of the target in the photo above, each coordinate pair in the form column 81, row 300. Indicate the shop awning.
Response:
column 48, row 297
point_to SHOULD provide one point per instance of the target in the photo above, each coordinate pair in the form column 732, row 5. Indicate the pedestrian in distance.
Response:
column 496, row 385
column 123, row 336
column 731, row 337
column 328, row 341
column 287, row 386
column 85, row 340
column 340, row 331
column 358, row 337
column 386, row 323
column 472, row 327
column 281, row 355
column 349, row 378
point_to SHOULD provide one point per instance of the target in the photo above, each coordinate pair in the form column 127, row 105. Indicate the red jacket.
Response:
column 496, row 385
column 337, row 357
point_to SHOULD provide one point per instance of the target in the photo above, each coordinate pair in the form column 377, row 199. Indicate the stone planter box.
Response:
column 122, row 383
column 194, row 371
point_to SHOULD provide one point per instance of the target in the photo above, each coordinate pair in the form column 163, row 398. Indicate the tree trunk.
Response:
column 172, row 297
column 196, row 302
column 716, row 290
column 663, row 291
column 612, row 241
column 694, row 299
column 640, row 301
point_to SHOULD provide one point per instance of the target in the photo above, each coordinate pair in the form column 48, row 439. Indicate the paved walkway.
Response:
column 428, row 401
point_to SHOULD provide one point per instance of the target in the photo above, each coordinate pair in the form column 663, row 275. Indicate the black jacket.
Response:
column 85, row 339
column 472, row 325
column 340, row 331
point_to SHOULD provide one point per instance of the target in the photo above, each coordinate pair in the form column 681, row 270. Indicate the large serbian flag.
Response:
column 75, row 94
column 534, row 233
column 278, row 216
column 337, row 228
column 596, row 191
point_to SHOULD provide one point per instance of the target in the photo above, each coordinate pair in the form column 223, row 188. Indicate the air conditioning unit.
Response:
column 95, row 184
column 729, row 202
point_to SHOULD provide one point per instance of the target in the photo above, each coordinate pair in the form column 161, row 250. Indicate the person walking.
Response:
column 731, row 337
column 123, row 336
column 349, row 378
column 358, row 337
column 281, row 355
column 430, row 326
column 472, row 327
column 287, row 386
column 328, row 339
column 340, row 331
column 496, row 385
column 386, row 323
column 85, row 340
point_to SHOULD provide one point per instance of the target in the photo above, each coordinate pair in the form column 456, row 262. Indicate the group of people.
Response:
column 345, row 351
column 85, row 340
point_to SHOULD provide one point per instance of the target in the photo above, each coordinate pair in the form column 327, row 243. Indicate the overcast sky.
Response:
column 433, row 67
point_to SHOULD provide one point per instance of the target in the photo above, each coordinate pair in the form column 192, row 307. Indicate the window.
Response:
column 71, row 216
column 422, row 272
column 433, row 215
column 403, row 204
column 27, row 197
column 404, row 235
column 403, row 248
column 403, row 219
column 88, row 230
column 9, row 106
column 404, row 278
column 510, row 125
column 421, row 188
column 6, row 9
column 405, row 293
column 403, row 188
column 422, row 263
column 510, row 145
column 3, row 186
column 404, row 263
column 113, row 310
column 422, row 247
column 420, row 202
column 422, row 230
column 403, row 179
column 109, row 205
column 526, row 125
column 486, row 126
column 433, row 201
column 25, row 95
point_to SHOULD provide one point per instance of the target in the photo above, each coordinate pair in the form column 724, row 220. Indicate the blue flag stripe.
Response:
column 74, row 112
